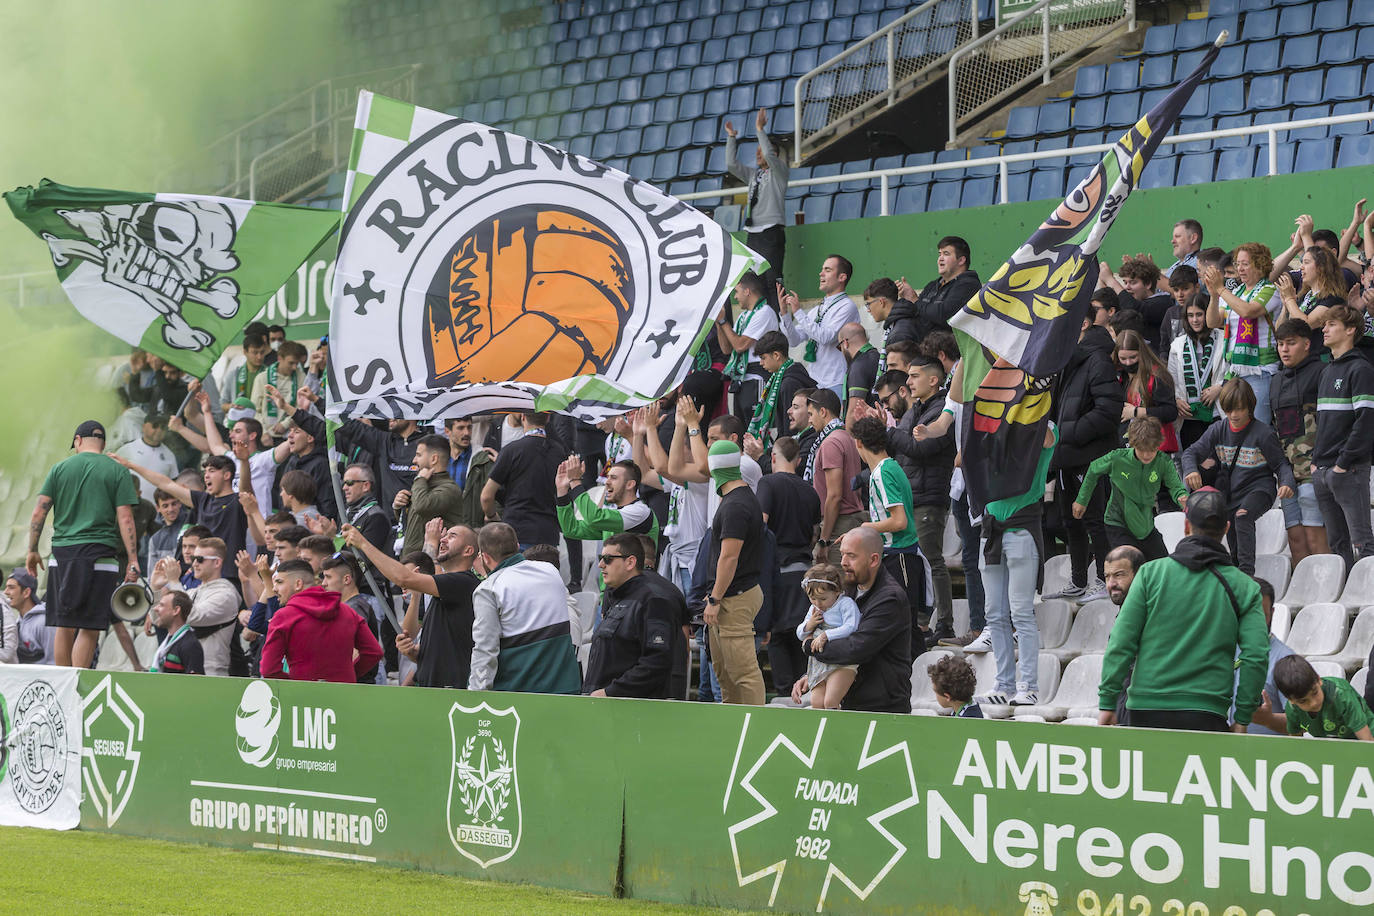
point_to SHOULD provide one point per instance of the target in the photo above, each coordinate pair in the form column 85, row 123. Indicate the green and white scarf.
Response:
column 737, row 366
column 825, row 433
column 1194, row 379
column 272, row 380
column 761, row 424
column 811, row 346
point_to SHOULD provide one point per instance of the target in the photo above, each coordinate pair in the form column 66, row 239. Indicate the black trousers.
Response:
column 772, row 244
column 1090, row 528
column 1190, row 720
column 1152, row 545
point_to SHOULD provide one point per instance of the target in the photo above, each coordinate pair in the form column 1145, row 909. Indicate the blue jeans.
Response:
column 1260, row 385
column 1011, row 605
column 969, row 536
column 709, row 690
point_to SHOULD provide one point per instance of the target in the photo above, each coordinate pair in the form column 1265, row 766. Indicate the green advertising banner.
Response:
column 301, row 306
column 796, row 811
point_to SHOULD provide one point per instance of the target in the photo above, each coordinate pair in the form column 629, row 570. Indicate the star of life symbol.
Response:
column 166, row 253
column 113, row 727
column 821, row 782
column 484, row 818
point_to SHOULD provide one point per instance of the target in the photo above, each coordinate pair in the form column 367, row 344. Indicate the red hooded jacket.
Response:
column 316, row 635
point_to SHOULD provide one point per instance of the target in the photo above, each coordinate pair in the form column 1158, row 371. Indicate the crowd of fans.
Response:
column 783, row 510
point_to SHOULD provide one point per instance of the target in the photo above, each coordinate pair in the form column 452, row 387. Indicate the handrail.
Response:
column 1272, row 130
column 888, row 33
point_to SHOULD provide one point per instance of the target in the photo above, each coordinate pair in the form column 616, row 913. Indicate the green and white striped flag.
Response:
column 479, row 270
column 175, row 274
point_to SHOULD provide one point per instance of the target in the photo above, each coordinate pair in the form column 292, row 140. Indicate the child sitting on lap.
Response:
column 833, row 615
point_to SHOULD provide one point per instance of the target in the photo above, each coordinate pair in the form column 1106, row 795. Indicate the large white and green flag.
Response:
column 175, row 274
column 479, row 270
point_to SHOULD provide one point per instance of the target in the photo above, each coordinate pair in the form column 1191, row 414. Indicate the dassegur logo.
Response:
column 113, row 727
column 484, row 819
column 257, row 721
column 41, row 743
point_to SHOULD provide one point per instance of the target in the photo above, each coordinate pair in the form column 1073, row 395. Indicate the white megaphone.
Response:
column 131, row 601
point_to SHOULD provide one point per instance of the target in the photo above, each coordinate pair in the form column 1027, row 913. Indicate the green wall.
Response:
column 1231, row 212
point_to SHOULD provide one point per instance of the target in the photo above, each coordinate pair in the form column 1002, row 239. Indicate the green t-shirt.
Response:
column 85, row 489
column 1342, row 714
column 1003, row 509
column 888, row 486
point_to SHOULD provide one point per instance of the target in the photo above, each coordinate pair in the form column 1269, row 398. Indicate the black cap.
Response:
column 25, row 579
column 1207, row 507
column 90, row 429
column 156, row 419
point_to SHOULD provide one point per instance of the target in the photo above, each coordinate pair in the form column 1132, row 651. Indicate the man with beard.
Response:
column 632, row 649
column 433, row 494
column 470, row 467
column 620, row 511
column 881, row 645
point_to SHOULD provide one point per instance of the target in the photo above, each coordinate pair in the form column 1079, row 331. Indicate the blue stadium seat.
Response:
column 1304, row 88
column 1262, row 56
column 1197, row 104
column 1309, row 133
column 1191, row 33
column 1275, row 116
column 1338, row 47
column 1075, row 175
column 768, row 95
column 778, row 66
column 1228, row 122
column 1089, row 114
column 944, row 195
column 1159, row 171
column 1331, row 15
column 1251, row 6
column 979, row 192
column 691, row 107
column 1159, row 39
column 629, row 141
column 816, row 207
column 1265, row 92
column 1226, row 97
column 1193, row 126
column 982, row 171
column 784, row 120
column 742, row 98
column 1022, row 121
column 693, row 162
column 805, row 60
column 1299, row 53
column 1216, row 24
column 1054, row 117
column 1157, row 71
column 704, row 132
column 950, row 155
column 642, row 114
column 856, row 165
column 1342, row 83
column 1261, row 25
column 1123, row 110
column 812, row 35
column 1018, row 187
column 1230, row 62
column 1195, row 168
column 849, row 205
column 1354, row 127
column 1314, row 155
column 1123, row 76
column 914, row 159
column 888, row 162
column 873, row 202
column 1295, row 20
column 665, row 110
column 1087, row 139
column 642, row 62
column 1369, row 81
column 1014, row 148
column 1047, row 183
column 666, row 166
column 910, row 199
column 1152, row 97
column 1238, row 162
column 1223, row 7
column 1090, row 81
column 641, row 168
column 1356, row 151
column 679, row 135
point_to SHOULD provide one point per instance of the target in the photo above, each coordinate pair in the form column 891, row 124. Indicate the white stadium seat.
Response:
column 1327, row 668
column 1319, row 629
column 961, row 615
column 1077, row 693
column 1088, row 635
column 1282, row 621
column 1271, row 533
column 1359, row 585
column 1053, row 617
column 1057, row 574
column 953, row 546
column 1048, row 674
column 1316, row 580
column 1274, row 568
column 1356, row 650
column 1170, row 527
column 1359, row 680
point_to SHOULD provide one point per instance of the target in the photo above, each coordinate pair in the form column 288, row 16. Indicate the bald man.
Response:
column 881, row 645
column 863, row 362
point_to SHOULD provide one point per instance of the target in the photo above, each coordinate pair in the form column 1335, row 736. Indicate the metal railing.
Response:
column 226, row 167
column 992, row 68
column 884, row 176
column 875, row 73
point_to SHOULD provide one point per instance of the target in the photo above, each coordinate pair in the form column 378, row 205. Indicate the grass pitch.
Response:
column 79, row 872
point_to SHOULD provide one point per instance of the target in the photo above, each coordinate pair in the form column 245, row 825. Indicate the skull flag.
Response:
column 479, row 270
column 175, row 274
column 1022, row 327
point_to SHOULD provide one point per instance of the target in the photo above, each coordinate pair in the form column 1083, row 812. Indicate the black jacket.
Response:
column 880, row 646
column 393, row 461
column 793, row 380
column 900, row 323
column 1345, row 425
column 1098, row 340
column 632, row 649
column 935, row 306
column 1152, row 311
column 1089, row 401
column 929, row 464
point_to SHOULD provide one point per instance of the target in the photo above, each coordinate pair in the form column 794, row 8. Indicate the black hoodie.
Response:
column 1089, row 401
column 933, row 308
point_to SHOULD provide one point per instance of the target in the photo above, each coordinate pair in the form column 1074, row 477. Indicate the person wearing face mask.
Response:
column 1248, row 313
column 1248, row 459
column 1149, row 389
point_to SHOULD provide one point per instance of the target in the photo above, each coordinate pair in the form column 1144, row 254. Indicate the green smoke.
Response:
column 114, row 95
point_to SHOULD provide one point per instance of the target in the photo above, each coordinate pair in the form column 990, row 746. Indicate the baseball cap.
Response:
column 91, row 428
column 25, row 579
column 1207, row 507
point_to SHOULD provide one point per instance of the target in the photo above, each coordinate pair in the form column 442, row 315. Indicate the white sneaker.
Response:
column 1098, row 590
column 983, row 643
column 991, row 699
column 1069, row 592
column 1024, row 698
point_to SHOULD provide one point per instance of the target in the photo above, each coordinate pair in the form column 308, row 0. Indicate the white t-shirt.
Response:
column 763, row 320
column 686, row 521
column 263, row 468
column 154, row 458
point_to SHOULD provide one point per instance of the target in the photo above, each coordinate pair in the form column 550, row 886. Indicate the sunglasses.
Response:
column 606, row 558
column 350, row 483
column 203, row 559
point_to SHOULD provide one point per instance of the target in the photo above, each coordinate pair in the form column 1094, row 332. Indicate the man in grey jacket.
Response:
column 764, row 213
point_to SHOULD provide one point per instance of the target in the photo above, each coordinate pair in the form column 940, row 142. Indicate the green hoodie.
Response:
column 1134, row 488
column 1180, row 630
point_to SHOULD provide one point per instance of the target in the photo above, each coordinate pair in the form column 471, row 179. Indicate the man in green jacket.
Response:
column 1182, row 625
